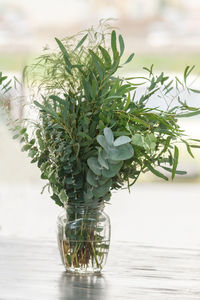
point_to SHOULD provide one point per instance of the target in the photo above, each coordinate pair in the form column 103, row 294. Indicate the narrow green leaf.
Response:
column 169, row 90
column 190, row 114
column 124, row 89
column 178, row 81
column 57, row 99
column 187, row 72
column 87, row 88
column 128, row 101
column 129, row 58
column 69, row 260
column 106, row 56
column 195, row 140
column 150, row 70
column 8, row 89
column 48, row 109
column 195, row 146
column 168, row 85
column 177, row 171
column 65, row 55
column 155, row 172
column 39, row 105
column 166, row 144
column 195, row 91
column 7, row 84
column 81, row 42
column 99, row 66
column 113, row 43
column 94, row 88
column 121, row 43
column 2, row 78
column 84, row 135
column 113, row 97
column 140, row 121
column 147, row 96
column 175, row 161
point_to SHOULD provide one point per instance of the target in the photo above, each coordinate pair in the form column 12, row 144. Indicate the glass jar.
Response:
column 84, row 238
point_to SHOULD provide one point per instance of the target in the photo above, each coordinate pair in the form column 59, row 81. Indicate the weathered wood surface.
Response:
column 31, row 270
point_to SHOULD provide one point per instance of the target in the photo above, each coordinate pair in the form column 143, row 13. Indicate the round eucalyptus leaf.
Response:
column 102, row 159
column 122, row 152
column 102, row 142
column 113, row 170
column 101, row 191
column 109, row 136
column 138, row 140
column 94, row 165
column 122, row 140
column 91, row 178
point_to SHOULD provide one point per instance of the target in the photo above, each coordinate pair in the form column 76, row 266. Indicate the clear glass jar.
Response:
column 84, row 238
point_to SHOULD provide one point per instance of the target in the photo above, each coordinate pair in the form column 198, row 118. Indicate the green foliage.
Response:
column 95, row 130
column 4, row 86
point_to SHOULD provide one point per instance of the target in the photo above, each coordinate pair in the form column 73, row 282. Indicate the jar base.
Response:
column 78, row 271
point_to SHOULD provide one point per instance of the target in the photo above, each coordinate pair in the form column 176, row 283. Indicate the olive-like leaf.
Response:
column 62, row 196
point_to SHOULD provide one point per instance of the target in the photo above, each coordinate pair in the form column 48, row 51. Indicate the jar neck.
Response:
column 84, row 207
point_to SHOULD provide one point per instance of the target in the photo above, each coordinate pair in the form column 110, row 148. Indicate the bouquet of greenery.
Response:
column 95, row 131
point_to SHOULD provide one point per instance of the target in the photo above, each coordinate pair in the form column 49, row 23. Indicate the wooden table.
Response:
column 31, row 270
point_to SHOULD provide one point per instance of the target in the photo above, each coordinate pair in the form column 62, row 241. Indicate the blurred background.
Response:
column 165, row 33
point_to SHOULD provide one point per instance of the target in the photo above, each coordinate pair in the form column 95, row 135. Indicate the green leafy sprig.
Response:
column 96, row 130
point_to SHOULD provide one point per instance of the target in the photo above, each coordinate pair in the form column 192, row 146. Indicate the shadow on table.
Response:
column 72, row 287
